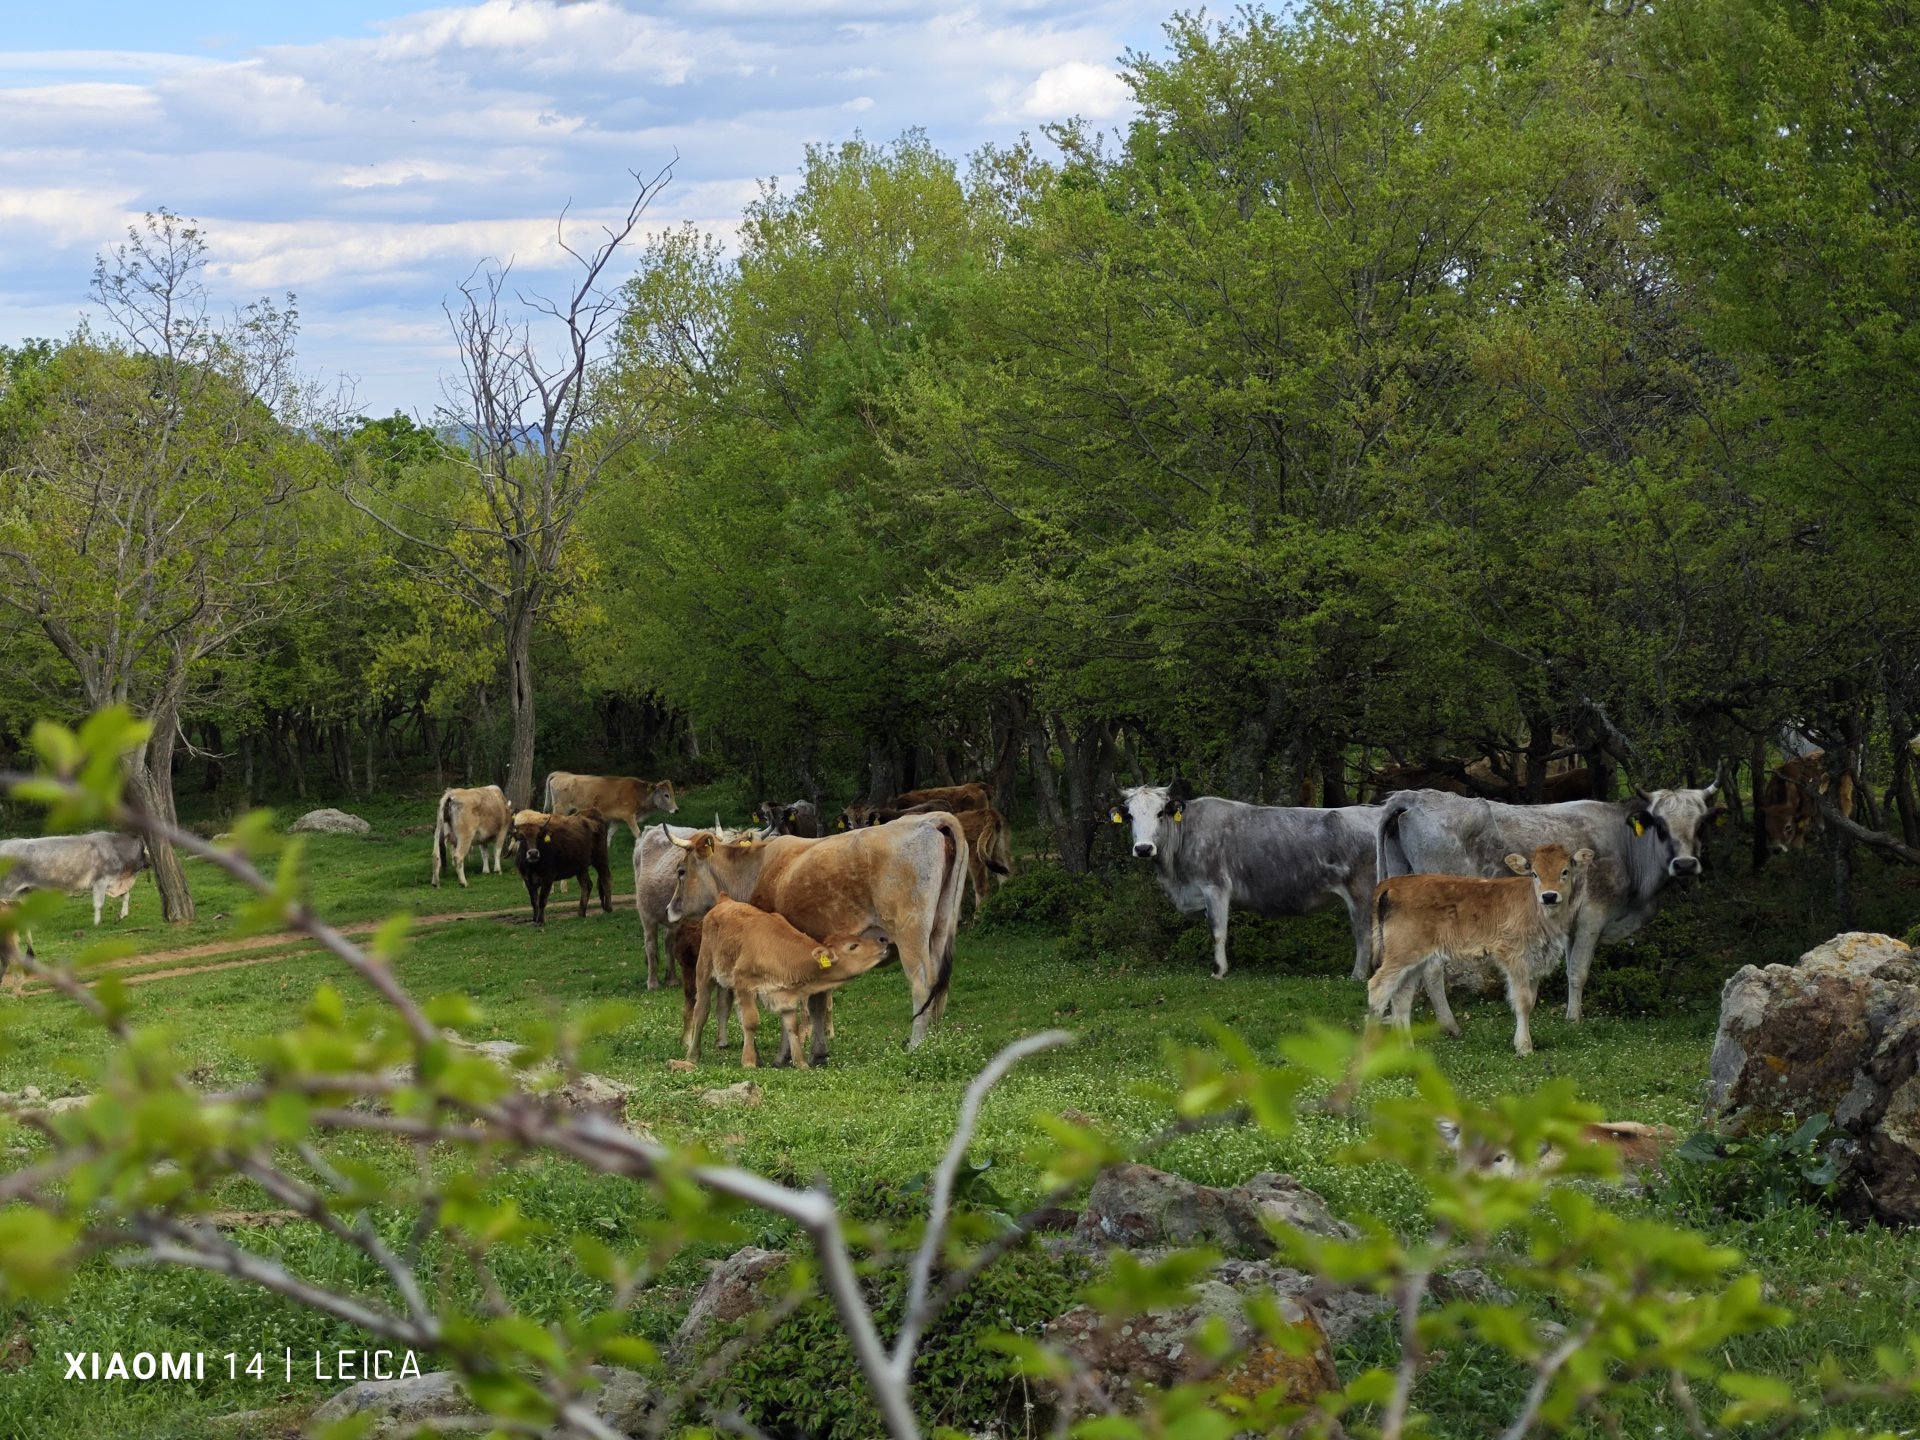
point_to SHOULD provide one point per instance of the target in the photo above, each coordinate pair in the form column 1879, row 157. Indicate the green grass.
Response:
column 877, row 1111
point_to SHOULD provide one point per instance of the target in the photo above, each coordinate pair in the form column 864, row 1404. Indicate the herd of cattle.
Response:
column 1439, row 886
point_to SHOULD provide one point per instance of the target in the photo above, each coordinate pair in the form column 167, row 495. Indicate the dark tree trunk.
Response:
column 216, row 771
column 1539, row 749
column 1046, row 788
column 1252, row 742
column 1757, row 765
column 1332, row 765
column 1005, row 720
column 149, row 772
column 1900, row 722
column 520, row 698
column 883, row 772
column 246, row 772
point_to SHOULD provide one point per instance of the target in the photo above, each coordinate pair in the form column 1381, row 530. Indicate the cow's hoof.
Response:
column 783, row 1063
column 652, row 984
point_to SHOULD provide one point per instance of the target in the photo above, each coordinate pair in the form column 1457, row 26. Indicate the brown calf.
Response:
column 748, row 954
column 466, row 818
column 562, row 847
column 1424, row 924
column 617, row 797
column 1790, row 807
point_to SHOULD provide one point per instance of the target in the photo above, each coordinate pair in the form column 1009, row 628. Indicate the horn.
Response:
column 1717, row 771
column 683, row 844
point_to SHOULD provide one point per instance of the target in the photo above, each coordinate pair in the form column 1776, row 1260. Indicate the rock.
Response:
column 1468, row 1287
column 745, row 1093
column 732, row 1292
column 1838, row 1033
column 1341, row 1311
column 1136, row 1206
column 436, row 1404
column 1156, row 1349
column 329, row 822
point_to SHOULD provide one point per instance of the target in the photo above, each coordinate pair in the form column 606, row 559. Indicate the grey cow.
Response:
column 656, row 867
column 1640, row 846
column 100, row 861
column 1214, row 856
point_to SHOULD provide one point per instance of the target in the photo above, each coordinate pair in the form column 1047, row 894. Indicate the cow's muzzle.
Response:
column 1683, row 865
column 1549, row 897
column 1146, row 850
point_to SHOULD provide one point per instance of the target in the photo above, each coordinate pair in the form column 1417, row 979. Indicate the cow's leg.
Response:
column 540, row 893
column 460, row 862
column 1433, row 979
column 749, row 1022
column 126, row 899
column 920, row 968
column 820, row 1015
column 726, row 1009
column 696, row 1020
column 793, row 1046
column 647, row 932
column 1360, row 919
column 1520, row 995
column 1580, row 947
column 99, row 898
column 1217, row 912
column 1384, row 988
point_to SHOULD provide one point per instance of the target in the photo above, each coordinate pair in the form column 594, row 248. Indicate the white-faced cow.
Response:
column 903, row 880
column 1214, row 856
column 1640, row 846
column 101, row 861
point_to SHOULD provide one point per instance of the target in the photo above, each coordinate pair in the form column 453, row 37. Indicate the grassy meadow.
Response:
column 876, row 1113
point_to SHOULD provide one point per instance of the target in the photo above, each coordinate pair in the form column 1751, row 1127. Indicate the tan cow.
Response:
column 1426, row 926
column 750, row 955
column 618, row 797
column 903, row 880
column 989, row 841
column 1790, row 807
column 466, row 818
column 16, row 944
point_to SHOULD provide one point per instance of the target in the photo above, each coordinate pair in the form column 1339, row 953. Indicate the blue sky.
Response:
column 366, row 155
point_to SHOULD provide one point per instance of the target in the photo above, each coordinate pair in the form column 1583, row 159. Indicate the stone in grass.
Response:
column 1137, row 1206
column 436, row 1404
column 1159, row 1349
column 329, row 822
column 745, row 1093
column 732, row 1292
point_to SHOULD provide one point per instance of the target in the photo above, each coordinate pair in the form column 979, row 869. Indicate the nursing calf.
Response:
column 1425, row 925
column 751, row 955
column 561, row 847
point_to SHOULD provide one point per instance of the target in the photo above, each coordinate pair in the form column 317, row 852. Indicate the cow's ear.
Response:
column 825, row 957
column 1519, row 864
column 1179, row 792
column 1117, row 815
column 1583, row 856
column 1720, row 815
column 1637, row 821
column 703, row 844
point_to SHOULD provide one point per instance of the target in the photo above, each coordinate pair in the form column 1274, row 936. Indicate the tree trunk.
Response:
column 246, row 772
column 520, row 696
column 1046, row 789
column 149, row 772
column 1006, row 716
column 1900, row 722
column 1757, row 763
column 883, row 772
column 1089, row 758
column 1252, row 741
column 1333, row 777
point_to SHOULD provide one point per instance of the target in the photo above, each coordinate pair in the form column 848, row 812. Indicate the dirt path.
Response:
column 283, row 945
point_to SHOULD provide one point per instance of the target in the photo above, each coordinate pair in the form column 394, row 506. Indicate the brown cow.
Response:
column 747, row 954
column 13, row 947
column 989, row 842
column 466, row 818
column 797, row 818
column 564, row 847
column 903, row 880
column 1424, row 925
column 618, row 797
column 1789, row 807
column 974, row 795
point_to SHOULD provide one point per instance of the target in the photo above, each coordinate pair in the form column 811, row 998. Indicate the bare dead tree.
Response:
column 537, row 430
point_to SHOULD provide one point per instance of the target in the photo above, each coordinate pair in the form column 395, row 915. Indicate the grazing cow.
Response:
column 1789, row 807
column 101, row 861
column 798, row 818
column 989, row 842
column 1424, row 926
column 466, row 818
column 1640, row 846
column 1214, row 856
column 1640, row 1146
column 564, row 847
column 749, row 954
column 975, row 795
column 617, row 797
column 903, row 880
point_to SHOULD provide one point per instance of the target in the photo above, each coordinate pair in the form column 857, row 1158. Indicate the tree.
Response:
column 146, row 475
column 537, row 431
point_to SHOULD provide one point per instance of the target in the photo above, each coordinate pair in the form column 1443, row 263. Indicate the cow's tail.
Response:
column 549, row 792
column 1377, row 926
column 1390, row 855
column 997, row 850
column 946, row 910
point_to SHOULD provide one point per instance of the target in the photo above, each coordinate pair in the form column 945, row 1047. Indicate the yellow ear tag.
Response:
column 1639, row 828
column 1115, row 816
column 547, row 839
column 1178, row 816
column 1720, row 817
column 826, row 961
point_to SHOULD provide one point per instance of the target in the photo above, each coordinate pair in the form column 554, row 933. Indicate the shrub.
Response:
column 1041, row 897
column 1750, row 1176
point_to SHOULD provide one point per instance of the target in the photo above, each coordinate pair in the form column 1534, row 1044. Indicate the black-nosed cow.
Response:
column 101, row 861
column 1640, row 847
column 1214, row 856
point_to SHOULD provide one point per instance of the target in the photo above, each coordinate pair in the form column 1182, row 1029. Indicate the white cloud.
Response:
column 1075, row 88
